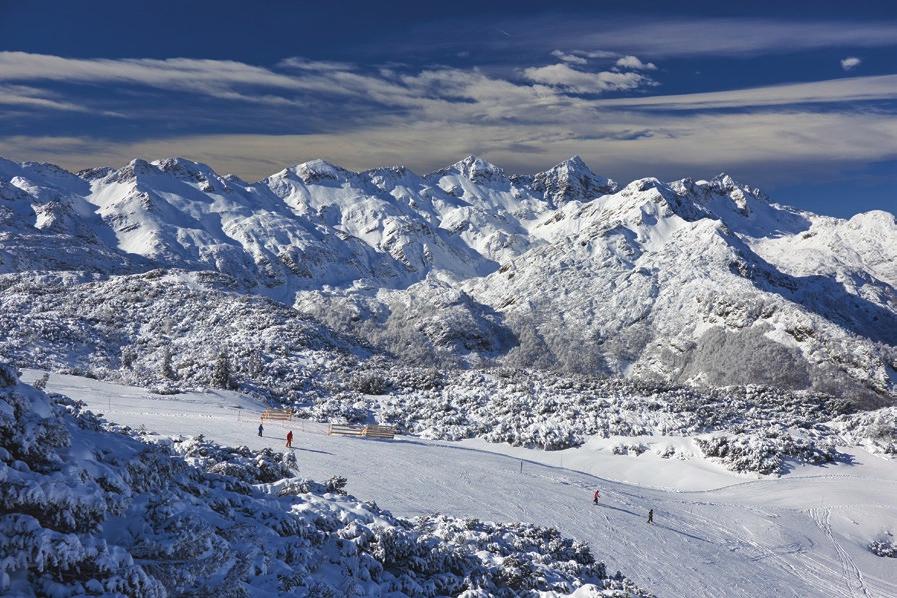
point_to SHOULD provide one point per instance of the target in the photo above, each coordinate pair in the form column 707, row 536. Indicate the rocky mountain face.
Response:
column 692, row 281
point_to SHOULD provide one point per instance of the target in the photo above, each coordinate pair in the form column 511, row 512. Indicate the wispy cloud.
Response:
column 850, row 62
column 363, row 117
column 633, row 62
column 659, row 37
column 32, row 97
column 571, row 58
column 622, row 147
column 853, row 89
column 563, row 76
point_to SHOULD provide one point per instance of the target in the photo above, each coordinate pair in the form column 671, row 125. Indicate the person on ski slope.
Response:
column 290, row 439
column 261, row 429
column 596, row 496
column 651, row 516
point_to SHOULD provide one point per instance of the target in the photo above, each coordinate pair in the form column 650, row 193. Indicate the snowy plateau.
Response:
column 691, row 348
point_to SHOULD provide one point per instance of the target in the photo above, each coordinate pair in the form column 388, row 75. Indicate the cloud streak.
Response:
column 686, row 146
column 527, row 119
column 854, row 89
column 565, row 77
column 675, row 37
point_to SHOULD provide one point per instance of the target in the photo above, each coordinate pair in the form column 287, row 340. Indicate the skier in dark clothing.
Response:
column 290, row 439
column 651, row 516
column 261, row 429
column 596, row 496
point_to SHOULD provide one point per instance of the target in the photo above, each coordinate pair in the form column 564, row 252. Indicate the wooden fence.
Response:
column 277, row 415
column 386, row 432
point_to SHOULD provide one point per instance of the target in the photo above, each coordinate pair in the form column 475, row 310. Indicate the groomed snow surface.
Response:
column 715, row 534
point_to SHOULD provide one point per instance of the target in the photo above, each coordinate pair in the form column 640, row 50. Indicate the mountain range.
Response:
column 691, row 281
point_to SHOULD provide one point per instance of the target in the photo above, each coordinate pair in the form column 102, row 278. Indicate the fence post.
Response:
column 521, row 467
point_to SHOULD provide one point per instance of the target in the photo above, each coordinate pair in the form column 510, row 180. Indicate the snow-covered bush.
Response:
column 765, row 453
column 884, row 546
column 875, row 430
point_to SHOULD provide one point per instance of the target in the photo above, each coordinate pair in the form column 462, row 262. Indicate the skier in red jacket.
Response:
column 290, row 439
column 596, row 497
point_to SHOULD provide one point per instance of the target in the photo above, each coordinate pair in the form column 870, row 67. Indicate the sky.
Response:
column 797, row 98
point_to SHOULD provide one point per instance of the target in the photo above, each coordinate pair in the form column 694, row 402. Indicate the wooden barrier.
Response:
column 344, row 430
column 277, row 415
column 387, row 432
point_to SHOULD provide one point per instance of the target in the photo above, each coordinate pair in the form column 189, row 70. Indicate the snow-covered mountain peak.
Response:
column 571, row 180
column 476, row 169
column 192, row 172
column 40, row 175
column 563, row 253
column 315, row 171
column 386, row 177
column 872, row 220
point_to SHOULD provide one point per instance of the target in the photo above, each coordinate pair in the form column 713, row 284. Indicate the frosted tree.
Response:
column 221, row 376
column 167, row 369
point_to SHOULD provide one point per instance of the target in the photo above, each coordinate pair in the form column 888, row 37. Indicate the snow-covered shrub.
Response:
column 765, row 453
column 254, row 467
column 369, row 383
column 875, row 430
column 629, row 448
column 884, row 546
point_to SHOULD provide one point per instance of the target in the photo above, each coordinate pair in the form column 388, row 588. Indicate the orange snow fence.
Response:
column 277, row 414
column 387, row 432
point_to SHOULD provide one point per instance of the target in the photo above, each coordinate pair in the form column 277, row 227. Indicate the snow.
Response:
column 717, row 533
column 91, row 508
column 690, row 281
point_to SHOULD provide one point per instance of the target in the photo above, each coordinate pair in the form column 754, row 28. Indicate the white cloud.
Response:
column 850, row 62
column 854, row 89
column 663, row 37
column 633, row 62
column 435, row 115
column 31, row 97
column 563, row 76
column 596, row 53
column 571, row 58
column 624, row 146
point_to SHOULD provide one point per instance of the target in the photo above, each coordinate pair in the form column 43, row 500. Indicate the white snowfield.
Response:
column 715, row 533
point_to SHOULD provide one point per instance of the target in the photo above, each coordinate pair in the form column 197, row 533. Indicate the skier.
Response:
column 596, row 497
column 261, row 429
column 290, row 439
column 651, row 516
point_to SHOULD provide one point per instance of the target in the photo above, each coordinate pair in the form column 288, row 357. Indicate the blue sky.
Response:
column 797, row 98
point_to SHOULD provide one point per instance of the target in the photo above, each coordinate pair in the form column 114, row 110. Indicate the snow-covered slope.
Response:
column 89, row 510
column 695, row 280
column 715, row 533
column 664, row 281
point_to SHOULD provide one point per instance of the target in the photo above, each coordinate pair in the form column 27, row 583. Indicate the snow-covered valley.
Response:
column 716, row 533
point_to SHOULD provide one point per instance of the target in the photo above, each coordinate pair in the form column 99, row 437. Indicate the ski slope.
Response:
column 716, row 533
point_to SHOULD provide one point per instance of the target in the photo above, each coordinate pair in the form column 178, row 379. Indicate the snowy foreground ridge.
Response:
column 815, row 532
column 86, row 509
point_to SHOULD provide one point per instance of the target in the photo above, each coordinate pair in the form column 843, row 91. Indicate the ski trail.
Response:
column 852, row 575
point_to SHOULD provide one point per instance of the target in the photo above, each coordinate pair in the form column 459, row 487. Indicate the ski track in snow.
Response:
column 765, row 537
